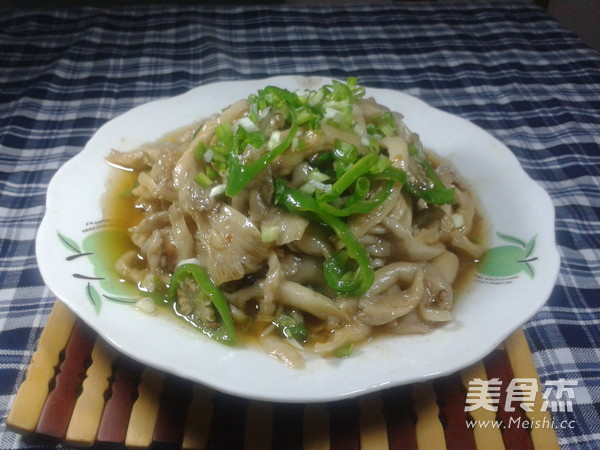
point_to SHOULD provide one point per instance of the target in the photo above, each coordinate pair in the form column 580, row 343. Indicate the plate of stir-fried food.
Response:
column 298, row 238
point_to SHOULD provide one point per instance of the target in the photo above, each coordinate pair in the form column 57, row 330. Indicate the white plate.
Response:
column 498, row 302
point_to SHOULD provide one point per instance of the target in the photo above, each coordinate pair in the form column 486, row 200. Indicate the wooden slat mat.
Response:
column 80, row 392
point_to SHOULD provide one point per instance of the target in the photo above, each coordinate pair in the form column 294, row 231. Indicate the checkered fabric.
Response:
column 508, row 67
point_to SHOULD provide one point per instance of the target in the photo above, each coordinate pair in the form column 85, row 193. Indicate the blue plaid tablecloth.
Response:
column 508, row 67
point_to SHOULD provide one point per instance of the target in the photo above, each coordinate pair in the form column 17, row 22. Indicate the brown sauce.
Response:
column 118, row 204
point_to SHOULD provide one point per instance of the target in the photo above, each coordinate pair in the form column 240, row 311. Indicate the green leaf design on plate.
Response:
column 94, row 297
column 530, row 246
column 105, row 247
column 508, row 260
column 511, row 239
column 528, row 269
column 121, row 300
column 70, row 244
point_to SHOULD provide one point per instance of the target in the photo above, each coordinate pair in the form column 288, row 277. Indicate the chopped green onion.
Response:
column 203, row 180
column 217, row 190
column 200, row 150
column 292, row 327
column 316, row 175
column 345, row 350
column 269, row 234
column 359, row 168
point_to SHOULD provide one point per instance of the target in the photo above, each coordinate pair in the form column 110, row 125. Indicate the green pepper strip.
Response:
column 342, row 280
column 241, row 174
column 292, row 328
column 356, row 202
column 356, row 205
column 225, row 333
column 434, row 195
column 439, row 194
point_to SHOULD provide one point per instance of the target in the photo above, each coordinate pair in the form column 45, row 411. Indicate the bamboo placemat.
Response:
column 80, row 392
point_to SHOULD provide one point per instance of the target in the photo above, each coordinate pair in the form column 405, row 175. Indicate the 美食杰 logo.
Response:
column 520, row 393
